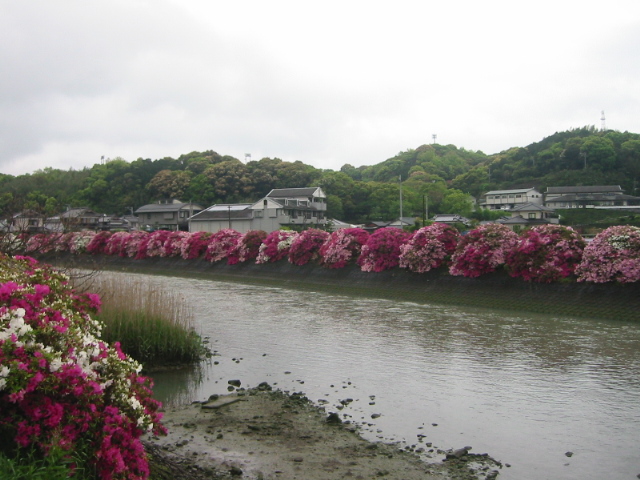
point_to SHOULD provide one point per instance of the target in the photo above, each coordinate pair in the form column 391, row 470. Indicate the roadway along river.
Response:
column 526, row 389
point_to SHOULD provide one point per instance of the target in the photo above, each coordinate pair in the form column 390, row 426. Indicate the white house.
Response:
column 290, row 207
column 508, row 199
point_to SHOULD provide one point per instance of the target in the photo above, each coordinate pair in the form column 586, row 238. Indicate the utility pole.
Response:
column 400, row 181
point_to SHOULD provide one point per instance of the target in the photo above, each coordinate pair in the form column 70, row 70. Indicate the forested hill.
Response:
column 444, row 174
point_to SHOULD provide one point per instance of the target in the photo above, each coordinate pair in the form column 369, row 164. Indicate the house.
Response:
column 451, row 219
column 508, row 199
column 28, row 221
column 529, row 215
column 79, row 218
column 402, row 222
column 592, row 196
column 283, row 207
column 167, row 215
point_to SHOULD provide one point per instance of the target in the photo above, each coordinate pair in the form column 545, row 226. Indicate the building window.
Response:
column 532, row 215
column 258, row 213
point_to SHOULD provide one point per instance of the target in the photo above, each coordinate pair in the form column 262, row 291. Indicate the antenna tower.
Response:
column 603, row 125
column 434, row 136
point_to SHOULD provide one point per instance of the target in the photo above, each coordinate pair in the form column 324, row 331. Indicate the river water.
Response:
column 526, row 389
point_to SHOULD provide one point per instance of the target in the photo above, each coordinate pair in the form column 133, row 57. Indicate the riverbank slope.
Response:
column 610, row 301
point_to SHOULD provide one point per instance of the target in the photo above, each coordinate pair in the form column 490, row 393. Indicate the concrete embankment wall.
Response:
column 496, row 291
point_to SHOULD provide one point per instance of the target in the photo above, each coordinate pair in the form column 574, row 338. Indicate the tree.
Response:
column 169, row 184
column 458, row 202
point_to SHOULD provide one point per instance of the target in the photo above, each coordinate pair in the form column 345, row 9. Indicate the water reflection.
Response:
column 526, row 388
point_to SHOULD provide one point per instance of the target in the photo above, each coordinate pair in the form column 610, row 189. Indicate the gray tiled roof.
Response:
column 585, row 189
column 292, row 192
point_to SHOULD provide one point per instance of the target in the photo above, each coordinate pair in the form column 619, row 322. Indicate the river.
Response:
column 527, row 389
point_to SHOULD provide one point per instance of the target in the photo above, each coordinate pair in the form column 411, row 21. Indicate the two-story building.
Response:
column 283, row 207
column 167, row 215
column 588, row 196
column 509, row 199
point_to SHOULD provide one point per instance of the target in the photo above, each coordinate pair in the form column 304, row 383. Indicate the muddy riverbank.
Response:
column 264, row 434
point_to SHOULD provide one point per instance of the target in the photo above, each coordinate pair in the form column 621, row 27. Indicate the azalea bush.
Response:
column 62, row 389
column 221, row 243
column 276, row 246
column 195, row 245
column 613, row 255
column 483, row 250
column 41, row 243
column 116, row 243
column 546, row 253
column 153, row 245
column 174, row 242
column 429, row 247
column 98, row 242
column 79, row 241
column 306, row 246
column 247, row 248
column 343, row 247
column 382, row 250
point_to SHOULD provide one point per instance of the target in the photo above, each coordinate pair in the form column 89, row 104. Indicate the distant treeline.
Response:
column 437, row 178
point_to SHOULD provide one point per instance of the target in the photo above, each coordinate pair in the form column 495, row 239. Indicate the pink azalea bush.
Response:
column 41, row 243
column 343, row 247
column 153, row 245
column 429, row 247
column 546, row 253
column 132, row 243
column 276, row 246
column 98, row 242
column 62, row 389
column 382, row 250
column 195, row 245
column 247, row 248
column 306, row 246
column 115, row 245
column 613, row 255
column 221, row 243
column 174, row 242
column 483, row 250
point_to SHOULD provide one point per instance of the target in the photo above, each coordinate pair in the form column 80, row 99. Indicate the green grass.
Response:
column 153, row 325
column 26, row 465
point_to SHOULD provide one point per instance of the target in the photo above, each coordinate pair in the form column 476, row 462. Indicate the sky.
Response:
column 327, row 83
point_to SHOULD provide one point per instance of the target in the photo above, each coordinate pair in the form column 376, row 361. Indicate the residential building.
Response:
column 167, row 215
column 285, row 207
column 589, row 196
column 508, row 199
column 402, row 222
column 451, row 219
column 529, row 215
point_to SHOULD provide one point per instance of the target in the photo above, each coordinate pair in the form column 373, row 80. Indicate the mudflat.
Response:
column 264, row 434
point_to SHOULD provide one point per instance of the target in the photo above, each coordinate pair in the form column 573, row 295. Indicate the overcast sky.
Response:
column 327, row 83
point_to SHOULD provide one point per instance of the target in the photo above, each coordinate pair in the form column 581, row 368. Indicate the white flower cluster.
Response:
column 4, row 374
column 16, row 324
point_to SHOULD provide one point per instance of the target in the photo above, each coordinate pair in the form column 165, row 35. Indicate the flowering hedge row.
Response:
column 544, row 253
column 62, row 389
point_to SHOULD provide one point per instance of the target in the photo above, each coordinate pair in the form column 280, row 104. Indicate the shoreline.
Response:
column 498, row 291
column 265, row 434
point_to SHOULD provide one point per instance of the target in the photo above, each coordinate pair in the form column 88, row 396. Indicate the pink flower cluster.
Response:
column 546, row 253
column 306, row 246
column 382, row 250
column 343, row 247
column 276, row 246
column 221, row 244
column 483, row 250
column 62, row 389
column 612, row 256
column 428, row 248
column 248, row 247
